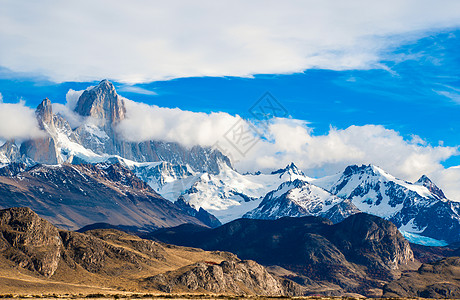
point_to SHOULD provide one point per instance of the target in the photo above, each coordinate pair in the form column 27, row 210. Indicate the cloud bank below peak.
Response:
column 18, row 122
column 143, row 41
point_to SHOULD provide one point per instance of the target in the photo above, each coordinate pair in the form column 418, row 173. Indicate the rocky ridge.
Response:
column 358, row 255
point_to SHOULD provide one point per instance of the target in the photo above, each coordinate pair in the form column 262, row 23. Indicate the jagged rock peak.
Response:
column 291, row 168
column 102, row 102
column 44, row 111
column 433, row 188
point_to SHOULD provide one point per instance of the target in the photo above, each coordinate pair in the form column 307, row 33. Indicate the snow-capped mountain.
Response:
column 203, row 179
column 419, row 208
column 298, row 199
column 229, row 195
column 9, row 152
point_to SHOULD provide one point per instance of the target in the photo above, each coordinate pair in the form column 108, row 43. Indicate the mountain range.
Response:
column 83, row 209
column 155, row 184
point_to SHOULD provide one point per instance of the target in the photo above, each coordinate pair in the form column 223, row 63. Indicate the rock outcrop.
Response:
column 240, row 277
column 30, row 241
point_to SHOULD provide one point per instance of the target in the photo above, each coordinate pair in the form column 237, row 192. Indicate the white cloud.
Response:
column 18, row 122
column 321, row 155
column 66, row 110
column 72, row 98
column 1, row 98
column 289, row 140
column 142, row 41
column 144, row 122
column 447, row 180
column 136, row 89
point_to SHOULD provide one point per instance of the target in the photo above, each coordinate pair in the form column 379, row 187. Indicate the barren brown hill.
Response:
column 36, row 257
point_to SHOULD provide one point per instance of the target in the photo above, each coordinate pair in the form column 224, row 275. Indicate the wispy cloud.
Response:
column 451, row 93
column 83, row 40
column 136, row 90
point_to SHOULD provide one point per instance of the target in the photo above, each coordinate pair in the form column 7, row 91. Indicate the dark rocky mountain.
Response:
column 34, row 254
column 359, row 254
column 72, row 196
column 440, row 279
column 291, row 169
column 419, row 207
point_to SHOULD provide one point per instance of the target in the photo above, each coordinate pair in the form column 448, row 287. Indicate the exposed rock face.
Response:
column 357, row 253
column 102, row 103
column 72, row 196
column 436, row 280
column 341, row 211
column 42, row 150
column 44, row 113
column 30, row 241
column 433, row 188
column 106, row 109
column 56, row 130
column 240, row 277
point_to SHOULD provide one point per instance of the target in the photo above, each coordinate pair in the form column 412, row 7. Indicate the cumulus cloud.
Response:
column 144, row 122
column 321, row 155
column 1, row 98
column 72, row 97
column 18, row 122
column 142, row 41
column 67, row 110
